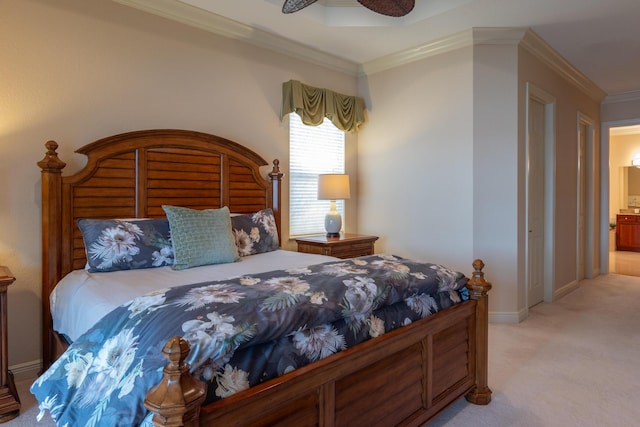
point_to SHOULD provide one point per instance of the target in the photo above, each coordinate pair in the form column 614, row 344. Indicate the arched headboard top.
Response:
column 166, row 138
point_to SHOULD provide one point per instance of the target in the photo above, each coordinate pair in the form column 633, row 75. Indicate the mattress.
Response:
column 81, row 298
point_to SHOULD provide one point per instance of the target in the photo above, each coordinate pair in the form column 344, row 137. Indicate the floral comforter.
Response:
column 242, row 331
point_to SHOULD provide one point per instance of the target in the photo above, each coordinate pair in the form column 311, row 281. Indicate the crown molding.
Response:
column 498, row 35
column 436, row 47
column 544, row 52
column 470, row 37
column 622, row 97
column 199, row 18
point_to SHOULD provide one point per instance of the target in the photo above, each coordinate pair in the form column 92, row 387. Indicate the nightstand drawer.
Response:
column 352, row 251
column 345, row 246
column 313, row 249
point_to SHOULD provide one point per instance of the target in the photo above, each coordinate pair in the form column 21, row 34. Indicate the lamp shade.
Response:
column 333, row 187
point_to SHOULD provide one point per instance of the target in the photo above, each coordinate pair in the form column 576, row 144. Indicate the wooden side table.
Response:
column 345, row 246
column 9, row 400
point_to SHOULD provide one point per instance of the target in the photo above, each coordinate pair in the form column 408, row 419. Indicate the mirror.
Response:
column 630, row 187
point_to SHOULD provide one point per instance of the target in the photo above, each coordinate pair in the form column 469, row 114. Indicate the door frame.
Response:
column 605, row 127
column 549, row 102
column 588, row 204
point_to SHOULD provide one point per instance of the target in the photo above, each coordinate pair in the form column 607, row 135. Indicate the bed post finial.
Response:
column 477, row 284
column 176, row 400
column 276, row 178
column 51, row 163
column 479, row 289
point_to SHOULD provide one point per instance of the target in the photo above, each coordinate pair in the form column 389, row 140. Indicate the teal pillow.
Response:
column 201, row 237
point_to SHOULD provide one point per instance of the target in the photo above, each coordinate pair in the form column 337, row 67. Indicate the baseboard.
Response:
column 507, row 317
column 566, row 289
column 23, row 371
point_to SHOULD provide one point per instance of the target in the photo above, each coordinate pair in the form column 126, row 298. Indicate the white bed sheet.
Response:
column 81, row 298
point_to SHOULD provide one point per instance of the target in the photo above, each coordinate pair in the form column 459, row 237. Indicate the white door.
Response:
column 536, row 202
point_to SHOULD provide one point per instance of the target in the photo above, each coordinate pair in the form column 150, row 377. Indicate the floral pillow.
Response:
column 255, row 233
column 122, row 244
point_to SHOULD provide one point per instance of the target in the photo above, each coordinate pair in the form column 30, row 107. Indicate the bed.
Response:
column 403, row 375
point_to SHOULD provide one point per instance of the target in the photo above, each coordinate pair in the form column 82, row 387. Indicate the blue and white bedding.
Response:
column 242, row 331
column 82, row 298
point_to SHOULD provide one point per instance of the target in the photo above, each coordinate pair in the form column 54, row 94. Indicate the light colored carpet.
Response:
column 571, row 363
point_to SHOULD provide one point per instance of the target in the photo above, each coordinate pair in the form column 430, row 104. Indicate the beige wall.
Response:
column 76, row 71
column 439, row 168
column 571, row 103
column 456, row 166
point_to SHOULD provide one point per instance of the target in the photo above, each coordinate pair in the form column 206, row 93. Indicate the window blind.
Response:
column 313, row 150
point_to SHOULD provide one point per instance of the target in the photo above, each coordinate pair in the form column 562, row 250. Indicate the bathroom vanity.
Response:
column 628, row 232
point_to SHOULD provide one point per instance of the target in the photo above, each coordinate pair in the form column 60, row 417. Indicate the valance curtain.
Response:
column 313, row 104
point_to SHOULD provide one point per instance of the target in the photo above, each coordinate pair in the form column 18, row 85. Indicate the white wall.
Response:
column 571, row 103
column 416, row 159
column 622, row 109
column 497, row 183
column 76, row 71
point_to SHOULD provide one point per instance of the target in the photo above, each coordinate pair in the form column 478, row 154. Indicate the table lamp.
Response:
column 333, row 187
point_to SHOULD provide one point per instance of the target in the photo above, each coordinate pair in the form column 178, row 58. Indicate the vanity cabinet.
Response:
column 628, row 233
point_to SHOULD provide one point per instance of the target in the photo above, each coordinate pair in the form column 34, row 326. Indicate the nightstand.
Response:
column 345, row 246
column 9, row 400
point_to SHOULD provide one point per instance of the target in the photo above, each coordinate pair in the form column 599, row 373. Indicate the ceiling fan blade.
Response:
column 395, row 8
column 291, row 6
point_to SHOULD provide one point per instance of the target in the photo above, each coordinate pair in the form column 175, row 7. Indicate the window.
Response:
column 313, row 150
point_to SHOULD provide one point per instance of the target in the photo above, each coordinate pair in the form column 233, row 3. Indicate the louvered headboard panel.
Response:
column 132, row 175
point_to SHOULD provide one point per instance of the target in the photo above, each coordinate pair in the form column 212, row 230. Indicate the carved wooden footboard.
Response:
column 404, row 377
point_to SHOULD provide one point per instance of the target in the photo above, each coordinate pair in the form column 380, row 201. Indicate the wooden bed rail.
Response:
column 175, row 393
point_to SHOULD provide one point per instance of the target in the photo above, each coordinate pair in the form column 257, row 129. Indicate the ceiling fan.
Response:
column 395, row 8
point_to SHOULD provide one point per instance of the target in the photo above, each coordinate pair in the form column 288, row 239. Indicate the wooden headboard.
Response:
column 131, row 175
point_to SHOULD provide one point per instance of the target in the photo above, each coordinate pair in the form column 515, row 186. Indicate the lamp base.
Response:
column 333, row 221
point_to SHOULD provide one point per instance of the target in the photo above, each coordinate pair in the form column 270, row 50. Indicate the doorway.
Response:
column 620, row 143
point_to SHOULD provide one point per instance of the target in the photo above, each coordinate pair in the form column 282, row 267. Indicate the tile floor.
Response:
column 624, row 262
